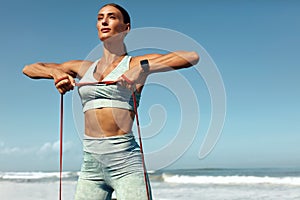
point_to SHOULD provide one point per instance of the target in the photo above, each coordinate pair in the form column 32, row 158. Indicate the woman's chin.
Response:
column 111, row 39
column 103, row 38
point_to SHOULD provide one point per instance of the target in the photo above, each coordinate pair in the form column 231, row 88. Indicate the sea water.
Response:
column 195, row 184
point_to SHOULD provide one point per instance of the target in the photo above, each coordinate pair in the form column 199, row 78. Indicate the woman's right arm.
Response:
column 63, row 74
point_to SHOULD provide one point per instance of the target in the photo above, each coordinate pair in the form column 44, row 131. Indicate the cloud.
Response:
column 4, row 150
column 50, row 148
column 47, row 148
column 9, row 150
column 42, row 156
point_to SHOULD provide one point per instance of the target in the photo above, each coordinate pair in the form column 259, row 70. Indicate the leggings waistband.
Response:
column 126, row 135
column 107, row 145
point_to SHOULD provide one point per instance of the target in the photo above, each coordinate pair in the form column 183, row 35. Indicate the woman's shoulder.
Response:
column 78, row 67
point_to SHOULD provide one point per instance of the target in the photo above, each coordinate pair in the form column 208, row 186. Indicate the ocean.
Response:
column 194, row 184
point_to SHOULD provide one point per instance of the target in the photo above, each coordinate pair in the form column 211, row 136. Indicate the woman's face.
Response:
column 110, row 23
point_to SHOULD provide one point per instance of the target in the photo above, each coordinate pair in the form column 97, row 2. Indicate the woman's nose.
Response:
column 104, row 21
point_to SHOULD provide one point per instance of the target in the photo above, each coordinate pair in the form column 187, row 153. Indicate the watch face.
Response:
column 145, row 65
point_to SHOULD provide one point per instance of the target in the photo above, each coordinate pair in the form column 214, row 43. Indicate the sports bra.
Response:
column 100, row 95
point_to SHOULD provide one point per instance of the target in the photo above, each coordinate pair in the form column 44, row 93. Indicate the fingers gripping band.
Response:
column 127, row 80
column 60, row 79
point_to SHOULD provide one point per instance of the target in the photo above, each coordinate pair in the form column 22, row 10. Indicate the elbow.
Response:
column 26, row 70
column 194, row 58
column 190, row 58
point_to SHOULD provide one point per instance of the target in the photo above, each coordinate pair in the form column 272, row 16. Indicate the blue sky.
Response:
column 254, row 44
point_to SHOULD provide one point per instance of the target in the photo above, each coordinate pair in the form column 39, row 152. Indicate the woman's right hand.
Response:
column 63, row 81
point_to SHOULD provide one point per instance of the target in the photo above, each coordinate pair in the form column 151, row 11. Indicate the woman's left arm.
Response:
column 136, row 76
column 172, row 61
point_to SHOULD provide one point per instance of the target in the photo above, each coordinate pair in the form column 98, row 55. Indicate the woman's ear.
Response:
column 128, row 27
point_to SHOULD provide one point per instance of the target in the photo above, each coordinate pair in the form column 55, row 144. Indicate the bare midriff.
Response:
column 107, row 122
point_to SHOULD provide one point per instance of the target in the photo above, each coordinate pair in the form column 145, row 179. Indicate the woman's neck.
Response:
column 112, row 52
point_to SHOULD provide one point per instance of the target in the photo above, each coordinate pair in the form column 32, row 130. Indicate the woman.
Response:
column 112, row 158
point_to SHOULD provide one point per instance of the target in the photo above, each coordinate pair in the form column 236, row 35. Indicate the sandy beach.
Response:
column 35, row 191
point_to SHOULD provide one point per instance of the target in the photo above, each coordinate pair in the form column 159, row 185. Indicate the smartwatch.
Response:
column 145, row 65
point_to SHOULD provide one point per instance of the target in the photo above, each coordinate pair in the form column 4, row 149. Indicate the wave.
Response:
column 230, row 180
column 162, row 177
column 36, row 176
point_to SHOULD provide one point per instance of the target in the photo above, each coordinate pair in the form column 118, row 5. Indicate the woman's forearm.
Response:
column 40, row 70
column 174, row 60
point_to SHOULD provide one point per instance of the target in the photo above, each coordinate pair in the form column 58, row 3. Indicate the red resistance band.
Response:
column 137, row 123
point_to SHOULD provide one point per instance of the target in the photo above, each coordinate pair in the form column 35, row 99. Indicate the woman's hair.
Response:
column 126, row 17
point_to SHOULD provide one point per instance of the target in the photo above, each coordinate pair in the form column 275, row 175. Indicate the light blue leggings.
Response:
column 111, row 164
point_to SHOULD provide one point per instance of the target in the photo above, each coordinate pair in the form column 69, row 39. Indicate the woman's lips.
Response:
column 105, row 30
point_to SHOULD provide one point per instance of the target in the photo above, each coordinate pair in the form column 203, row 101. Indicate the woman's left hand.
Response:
column 133, row 79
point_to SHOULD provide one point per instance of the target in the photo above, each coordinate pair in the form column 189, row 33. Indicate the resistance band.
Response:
column 137, row 123
column 61, row 143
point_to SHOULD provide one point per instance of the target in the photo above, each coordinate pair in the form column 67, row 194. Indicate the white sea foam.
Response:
column 231, row 180
column 35, row 175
